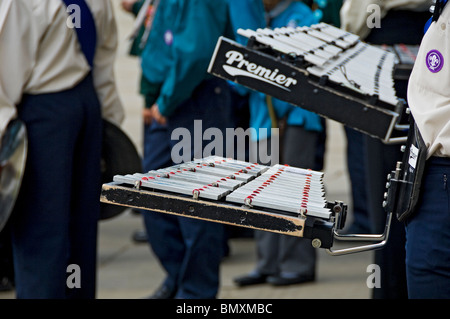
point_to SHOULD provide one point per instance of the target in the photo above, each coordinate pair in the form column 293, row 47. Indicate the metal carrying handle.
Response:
column 395, row 140
column 380, row 239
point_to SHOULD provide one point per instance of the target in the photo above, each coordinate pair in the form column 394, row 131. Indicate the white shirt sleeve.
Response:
column 357, row 15
column 17, row 56
column 428, row 89
column 104, row 75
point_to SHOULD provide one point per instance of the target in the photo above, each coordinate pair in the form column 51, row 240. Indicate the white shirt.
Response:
column 355, row 13
column 429, row 87
column 40, row 53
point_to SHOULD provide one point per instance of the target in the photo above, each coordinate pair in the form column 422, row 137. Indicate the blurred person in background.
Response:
column 57, row 77
column 281, row 260
column 177, row 91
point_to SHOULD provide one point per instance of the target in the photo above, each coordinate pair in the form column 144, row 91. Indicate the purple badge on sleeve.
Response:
column 168, row 37
column 435, row 61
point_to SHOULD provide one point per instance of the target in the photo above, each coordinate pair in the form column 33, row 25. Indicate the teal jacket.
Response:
column 250, row 14
column 179, row 49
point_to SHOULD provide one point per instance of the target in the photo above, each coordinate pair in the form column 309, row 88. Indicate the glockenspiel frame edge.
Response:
column 323, row 233
column 220, row 212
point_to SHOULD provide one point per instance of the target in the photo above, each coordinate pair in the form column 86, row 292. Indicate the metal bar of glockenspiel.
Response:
column 175, row 186
column 306, row 40
column 282, row 192
column 373, row 60
column 207, row 169
column 186, row 175
column 229, row 163
column 297, row 202
column 205, row 179
column 252, row 170
column 291, row 173
column 302, row 46
column 282, row 205
column 386, row 90
column 214, row 171
column 298, row 170
column 280, row 195
column 325, row 37
column 204, row 171
column 353, row 66
column 325, row 214
column 208, row 174
column 279, row 46
column 287, row 187
column 293, row 183
column 137, row 181
column 336, row 32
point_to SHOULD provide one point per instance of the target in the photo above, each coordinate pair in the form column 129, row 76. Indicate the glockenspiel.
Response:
column 280, row 198
column 322, row 69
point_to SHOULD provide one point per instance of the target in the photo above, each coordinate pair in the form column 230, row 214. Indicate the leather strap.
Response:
column 87, row 32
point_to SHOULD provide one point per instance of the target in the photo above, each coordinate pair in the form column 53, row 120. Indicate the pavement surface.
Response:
column 129, row 270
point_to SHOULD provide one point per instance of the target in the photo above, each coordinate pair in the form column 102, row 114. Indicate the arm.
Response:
column 17, row 52
column 354, row 16
column 354, row 13
column 199, row 25
column 104, row 63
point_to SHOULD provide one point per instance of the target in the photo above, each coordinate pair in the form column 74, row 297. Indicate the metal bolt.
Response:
column 316, row 243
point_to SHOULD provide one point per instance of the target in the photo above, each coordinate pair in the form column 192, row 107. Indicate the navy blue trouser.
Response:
column 428, row 236
column 189, row 250
column 54, row 223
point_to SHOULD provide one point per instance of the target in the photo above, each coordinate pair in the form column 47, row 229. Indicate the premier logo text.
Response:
column 238, row 66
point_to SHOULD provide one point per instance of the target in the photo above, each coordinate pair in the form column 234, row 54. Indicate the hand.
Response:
column 127, row 5
column 158, row 116
column 153, row 114
column 147, row 116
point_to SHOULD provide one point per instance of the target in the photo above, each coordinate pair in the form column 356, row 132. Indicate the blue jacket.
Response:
column 250, row 14
column 179, row 48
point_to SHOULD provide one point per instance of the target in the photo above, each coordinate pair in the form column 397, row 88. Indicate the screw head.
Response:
column 316, row 243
